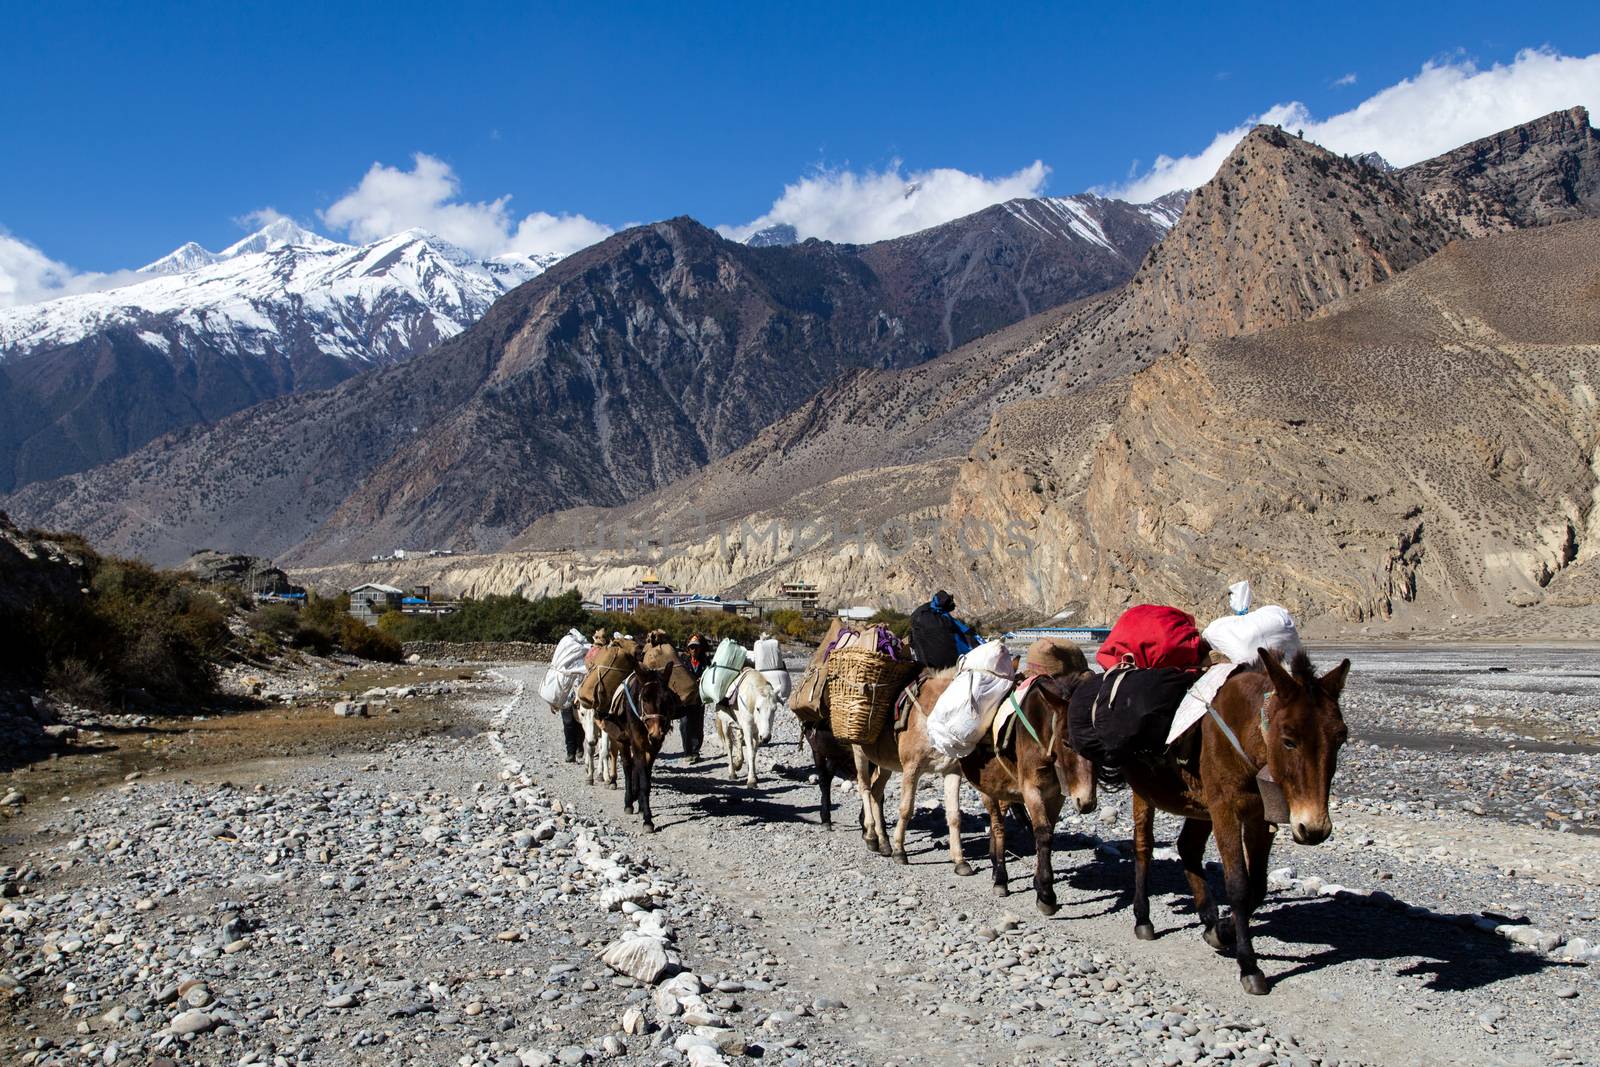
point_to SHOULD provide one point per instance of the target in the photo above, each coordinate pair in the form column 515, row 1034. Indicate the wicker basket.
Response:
column 862, row 685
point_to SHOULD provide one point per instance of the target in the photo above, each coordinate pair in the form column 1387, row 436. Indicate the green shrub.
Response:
column 680, row 625
column 76, row 681
column 129, row 628
column 367, row 642
column 498, row 617
column 278, row 621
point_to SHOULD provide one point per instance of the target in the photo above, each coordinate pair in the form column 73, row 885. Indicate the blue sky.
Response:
column 133, row 127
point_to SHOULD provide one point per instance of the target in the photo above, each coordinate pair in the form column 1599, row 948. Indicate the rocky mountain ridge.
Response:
column 85, row 379
column 1103, row 488
column 624, row 367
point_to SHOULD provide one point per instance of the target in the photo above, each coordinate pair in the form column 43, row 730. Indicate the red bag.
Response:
column 1155, row 636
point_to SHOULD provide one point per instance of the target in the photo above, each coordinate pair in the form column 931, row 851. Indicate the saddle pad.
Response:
column 1005, row 716
column 903, row 703
column 1199, row 697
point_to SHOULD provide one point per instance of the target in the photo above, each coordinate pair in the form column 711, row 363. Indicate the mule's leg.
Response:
column 1192, row 851
column 589, row 744
column 997, row 844
column 952, row 823
column 1257, row 850
column 747, row 731
column 879, row 786
column 910, row 774
column 1144, row 832
column 646, row 765
column 1230, row 845
column 871, row 803
column 725, row 737
column 630, row 783
column 609, row 757
column 819, row 759
column 1041, row 817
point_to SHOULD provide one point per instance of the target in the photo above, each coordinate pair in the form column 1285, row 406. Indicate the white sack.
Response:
column 566, row 670
column 768, row 656
column 779, row 680
column 1238, row 636
column 983, row 678
column 729, row 660
column 1239, row 597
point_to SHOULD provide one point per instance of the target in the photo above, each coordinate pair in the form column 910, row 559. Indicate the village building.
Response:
column 369, row 602
column 803, row 597
column 652, row 592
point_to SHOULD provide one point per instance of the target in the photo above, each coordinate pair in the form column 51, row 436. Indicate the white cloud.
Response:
column 27, row 275
column 260, row 218
column 1344, row 80
column 843, row 205
column 1446, row 105
column 389, row 200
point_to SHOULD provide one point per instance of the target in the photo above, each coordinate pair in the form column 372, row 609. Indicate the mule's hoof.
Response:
column 1047, row 906
column 1219, row 937
column 1000, row 889
column 649, row 827
column 627, row 809
column 900, row 858
column 1144, row 932
column 1254, row 984
column 964, row 869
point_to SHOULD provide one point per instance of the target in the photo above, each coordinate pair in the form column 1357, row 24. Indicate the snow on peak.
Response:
column 180, row 260
column 279, row 233
column 282, row 284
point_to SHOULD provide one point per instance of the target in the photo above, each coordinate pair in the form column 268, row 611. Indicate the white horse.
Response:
column 744, row 722
column 596, row 747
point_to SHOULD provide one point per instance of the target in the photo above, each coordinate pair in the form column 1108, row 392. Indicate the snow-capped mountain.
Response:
column 89, row 377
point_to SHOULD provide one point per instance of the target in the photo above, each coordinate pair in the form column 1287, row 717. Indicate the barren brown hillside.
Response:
column 1284, row 228
column 1425, row 450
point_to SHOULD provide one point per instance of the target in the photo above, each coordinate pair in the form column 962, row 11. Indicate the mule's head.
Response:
column 765, row 708
column 1074, row 774
column 1304, row 730
column 658, row 707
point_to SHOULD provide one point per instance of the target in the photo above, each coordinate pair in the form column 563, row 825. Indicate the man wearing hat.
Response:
column 938, row 638
column 692, row 727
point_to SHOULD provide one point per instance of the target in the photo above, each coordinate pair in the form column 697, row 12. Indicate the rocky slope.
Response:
column 1537, row 173
column 1425, row 450
column 85, row 379
column 623, row 368
column 1092, row 486
column 1282, row 230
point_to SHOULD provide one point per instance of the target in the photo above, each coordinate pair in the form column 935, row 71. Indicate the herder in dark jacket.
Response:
column 692, row 727
column 938, row 638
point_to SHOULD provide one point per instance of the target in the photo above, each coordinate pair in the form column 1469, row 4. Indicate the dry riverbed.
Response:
column 433, row 886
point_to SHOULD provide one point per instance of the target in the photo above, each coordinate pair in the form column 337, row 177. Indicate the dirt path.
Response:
column 913, row 950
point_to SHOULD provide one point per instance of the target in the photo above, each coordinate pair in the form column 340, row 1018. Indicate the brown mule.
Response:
column 832, row 759
column 1285, row 721
column 1040, row 774
column 910, row 753
column 642, row 714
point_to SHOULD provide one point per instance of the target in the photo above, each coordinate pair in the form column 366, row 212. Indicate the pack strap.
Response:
column 1233, row 738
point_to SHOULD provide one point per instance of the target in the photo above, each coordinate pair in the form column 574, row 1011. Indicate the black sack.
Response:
column 1124, row 715
column 933, row 638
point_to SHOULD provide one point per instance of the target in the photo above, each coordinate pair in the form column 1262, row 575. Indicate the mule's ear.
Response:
column 1282, row 681
column 1332, row 683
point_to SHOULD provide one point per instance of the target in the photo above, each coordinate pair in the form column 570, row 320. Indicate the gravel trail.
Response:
column 1374, row 943
column 446, row 899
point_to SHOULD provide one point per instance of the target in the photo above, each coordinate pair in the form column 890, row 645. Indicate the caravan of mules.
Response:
column 1230, row 729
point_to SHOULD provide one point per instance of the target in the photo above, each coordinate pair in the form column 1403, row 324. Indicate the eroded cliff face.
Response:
column 1426, row 449
column 1541, row 172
